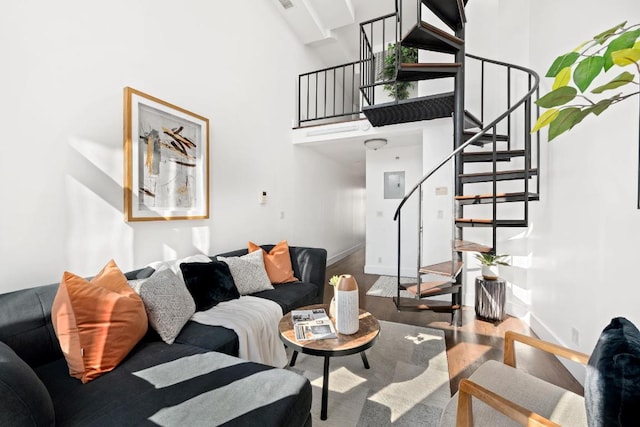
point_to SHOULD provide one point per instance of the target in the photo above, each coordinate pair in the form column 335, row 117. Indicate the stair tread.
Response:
column 531, row 171
column 486, row 138
column 470, row 178
column 450, row 12
column 483, row 222
column 428, row 286
column 487, row 156
column 430, row 65
column 465, row 246
column 478, row 220
column 442, row 268
column 490, row 195
column 412, row 304
column 408, row 72
column 438, row 290
column 428, row 37
column 471, row 121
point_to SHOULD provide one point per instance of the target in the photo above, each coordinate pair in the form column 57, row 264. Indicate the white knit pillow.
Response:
column 248, row 272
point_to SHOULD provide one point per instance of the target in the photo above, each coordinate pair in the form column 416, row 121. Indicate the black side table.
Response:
column 490, row 298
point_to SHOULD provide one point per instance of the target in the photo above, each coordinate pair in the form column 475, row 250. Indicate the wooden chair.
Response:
column 508, row 396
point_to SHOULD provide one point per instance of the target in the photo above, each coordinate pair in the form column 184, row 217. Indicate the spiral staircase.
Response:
column 493, row 163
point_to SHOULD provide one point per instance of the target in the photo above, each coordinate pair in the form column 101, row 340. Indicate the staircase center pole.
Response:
column 458, row 130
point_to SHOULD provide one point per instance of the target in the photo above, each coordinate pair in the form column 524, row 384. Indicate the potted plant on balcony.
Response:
column 398, row 90
column 490, row 263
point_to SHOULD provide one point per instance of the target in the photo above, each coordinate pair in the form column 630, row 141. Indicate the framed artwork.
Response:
column 166, row 160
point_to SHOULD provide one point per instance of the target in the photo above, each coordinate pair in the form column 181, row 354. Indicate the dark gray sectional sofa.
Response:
column 195, row 381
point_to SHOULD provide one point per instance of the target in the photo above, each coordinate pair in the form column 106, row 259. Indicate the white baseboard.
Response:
column 544, row 333
column 340, row 255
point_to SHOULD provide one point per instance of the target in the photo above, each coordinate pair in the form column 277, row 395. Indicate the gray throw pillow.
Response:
column 248, row 272
column 168, row 303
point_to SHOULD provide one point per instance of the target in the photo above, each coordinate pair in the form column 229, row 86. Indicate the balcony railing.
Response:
column 327, row 94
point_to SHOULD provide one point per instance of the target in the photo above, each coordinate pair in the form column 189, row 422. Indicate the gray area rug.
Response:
column 407, row 385
column 386, row 286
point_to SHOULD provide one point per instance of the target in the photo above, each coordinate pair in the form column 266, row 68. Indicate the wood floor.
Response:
column 468, row 346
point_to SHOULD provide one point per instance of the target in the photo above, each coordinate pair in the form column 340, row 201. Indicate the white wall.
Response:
column 581, row 242
column 382, row 231
column 64, row 68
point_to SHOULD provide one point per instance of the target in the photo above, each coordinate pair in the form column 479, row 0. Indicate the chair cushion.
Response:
column 612, row 383
column 24, row 400
column 291, row 295
column 555, row 403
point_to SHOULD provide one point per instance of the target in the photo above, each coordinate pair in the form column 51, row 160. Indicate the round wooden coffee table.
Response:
column 343, row 345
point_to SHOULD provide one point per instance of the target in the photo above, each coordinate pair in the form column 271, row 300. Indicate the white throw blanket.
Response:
column 255, row 321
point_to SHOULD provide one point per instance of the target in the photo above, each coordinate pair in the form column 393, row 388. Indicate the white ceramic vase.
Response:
column 347, row 308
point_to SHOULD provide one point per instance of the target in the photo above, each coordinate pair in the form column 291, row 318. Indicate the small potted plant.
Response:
column 398, row 90
column 332, row 306
column 490, row 263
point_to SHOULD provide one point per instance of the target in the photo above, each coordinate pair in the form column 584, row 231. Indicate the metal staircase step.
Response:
column 481, row 222
column 411, row 304
column 450, row 12
column 447, row 268
column 486, row 138
column 480, row 199
column 411, row 72
column 464, row 246
column 430, row 289
column 487, row 156
column 410, row 110
column 471, row 121
column 500, row 176
column 426, row 36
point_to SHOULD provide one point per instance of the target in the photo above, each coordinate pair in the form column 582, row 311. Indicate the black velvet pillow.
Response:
column 209, row 283
column 24, row 400
column 612, row 383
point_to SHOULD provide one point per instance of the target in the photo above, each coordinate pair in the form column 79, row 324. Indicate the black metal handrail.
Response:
column 335, row 86
column 370, row 77
column 526, row 99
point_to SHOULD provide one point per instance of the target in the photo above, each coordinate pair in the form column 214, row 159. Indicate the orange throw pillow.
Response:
column 97, row 322
column 277, row 262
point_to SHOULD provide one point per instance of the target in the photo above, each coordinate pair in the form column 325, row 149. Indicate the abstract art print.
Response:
column 166, row 160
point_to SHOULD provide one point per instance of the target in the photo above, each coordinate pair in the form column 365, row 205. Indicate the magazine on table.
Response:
column 312, row 325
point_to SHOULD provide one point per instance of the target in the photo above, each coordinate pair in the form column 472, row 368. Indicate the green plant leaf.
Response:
column 586, row 71
column 626, row 57
column 562, row 78
column 624, row 41
column 636, row 45
column 621, row 80
column 603, row 36
column 558, row 97
column 545, row 119
column 603, row 104
column 561, row 62
column 567, row 118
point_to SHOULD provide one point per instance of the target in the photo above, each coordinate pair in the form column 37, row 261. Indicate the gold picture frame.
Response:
column 166, row 160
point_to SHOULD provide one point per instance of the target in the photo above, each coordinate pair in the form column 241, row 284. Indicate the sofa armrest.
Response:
column 310, row 265
column 468, row 389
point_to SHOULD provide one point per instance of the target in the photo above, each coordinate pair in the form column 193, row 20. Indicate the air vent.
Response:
column 286, row 4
